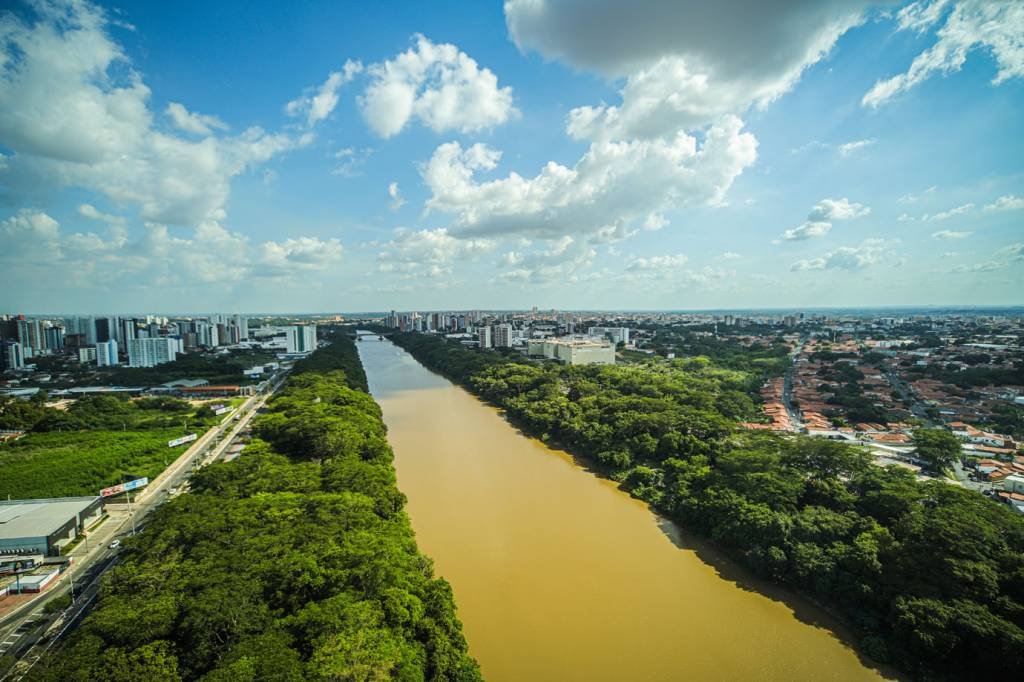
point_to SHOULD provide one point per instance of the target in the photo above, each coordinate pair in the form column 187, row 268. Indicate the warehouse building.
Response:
column 45, row 526
column 573, row 350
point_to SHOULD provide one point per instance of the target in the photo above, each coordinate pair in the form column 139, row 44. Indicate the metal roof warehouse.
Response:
column 44, row 526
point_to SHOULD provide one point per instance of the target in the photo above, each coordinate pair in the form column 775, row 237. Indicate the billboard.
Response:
column 124, row 487
column 184, row 439
column 223, row 410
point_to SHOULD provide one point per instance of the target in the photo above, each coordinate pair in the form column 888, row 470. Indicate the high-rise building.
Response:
column 11, row 356
column 243, row 327
column 30, row 335
column 300, row 338
column 502, row 336
column 484, row 337
column 152, row 352
column 87, row 354
column 106, row 353
column 616, row 334
column 54, row 338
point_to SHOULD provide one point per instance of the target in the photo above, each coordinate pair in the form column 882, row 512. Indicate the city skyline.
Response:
column 819, row 155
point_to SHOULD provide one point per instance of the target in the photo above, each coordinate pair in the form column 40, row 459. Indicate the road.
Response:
column 27, row 632
column 787, row 389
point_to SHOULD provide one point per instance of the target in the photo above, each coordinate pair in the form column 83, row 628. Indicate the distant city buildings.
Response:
column 152, row 352
column 106, row 353
column 484, row 337
column 11, row 357
column 616, row 334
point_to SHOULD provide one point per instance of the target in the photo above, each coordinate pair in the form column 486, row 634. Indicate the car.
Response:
column 172, row 491
column 115, row 544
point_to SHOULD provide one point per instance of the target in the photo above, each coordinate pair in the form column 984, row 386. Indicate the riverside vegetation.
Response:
column 294, row 562
column 930, row 574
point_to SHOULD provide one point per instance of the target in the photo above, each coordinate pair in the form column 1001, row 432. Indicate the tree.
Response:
column 937, row 447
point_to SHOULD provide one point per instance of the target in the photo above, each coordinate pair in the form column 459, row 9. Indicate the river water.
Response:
column 558, row 575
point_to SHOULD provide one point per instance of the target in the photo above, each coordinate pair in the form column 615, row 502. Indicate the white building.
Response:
column 106, row 353
column 574, row 351
column 300, row 338
column 503, row 336
column 243, row 327
column 87, row 354
column 483, row 336
column 11, row 356
column 617, row 334
column 152, row 352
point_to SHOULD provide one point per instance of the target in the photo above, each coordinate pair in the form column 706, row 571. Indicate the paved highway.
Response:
column 27, row 632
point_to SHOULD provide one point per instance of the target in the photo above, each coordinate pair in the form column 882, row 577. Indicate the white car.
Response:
column 172, row 491
column 115, row 544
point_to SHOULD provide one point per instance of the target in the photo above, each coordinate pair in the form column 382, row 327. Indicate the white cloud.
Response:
column 1008, row 202
column 667, row 262
column 614, row 185
column 730, row 255
column 397, row 201
column 807, row 230
column 946, row 215
column 688, row 62
column 430, row 253
column 317, row 104
column 30, row 235
column 350, row 161
column 560, row 262
column 950, row 234
column 914, row 198
column 302, row 253
column 1013, row 252
column 819, row 220
column 870, row 252
column 198, row 124
column 440, row 86
column 905, row 218
column 849, row 148
column 86, row 122
column 995, row 27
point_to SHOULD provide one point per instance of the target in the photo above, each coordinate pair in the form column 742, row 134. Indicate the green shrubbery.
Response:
column 293, row 562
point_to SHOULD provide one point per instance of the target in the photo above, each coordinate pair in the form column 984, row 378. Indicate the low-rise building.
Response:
column 44, row 526
column 573, row 350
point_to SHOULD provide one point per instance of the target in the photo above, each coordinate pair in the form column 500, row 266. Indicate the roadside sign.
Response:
column 223, row 410
column 123, row 487
column 184, row 439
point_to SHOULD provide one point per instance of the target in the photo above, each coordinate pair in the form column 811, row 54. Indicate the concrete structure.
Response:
column 300, row 338
column 44, row 526
column 87, row 354
column 503, row 336
column 573, row 350
column 106, row 353
column 483, row 336
column 152, row 352
column 11, row 356
column 616, row 334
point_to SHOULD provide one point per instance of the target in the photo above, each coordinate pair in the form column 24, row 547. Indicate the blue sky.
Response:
column 363, row 156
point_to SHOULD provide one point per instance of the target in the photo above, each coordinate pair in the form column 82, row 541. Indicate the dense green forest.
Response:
column 930, row 574
column 293, row 562
column 96, row 442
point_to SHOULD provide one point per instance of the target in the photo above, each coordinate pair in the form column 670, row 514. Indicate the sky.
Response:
column 325, row 156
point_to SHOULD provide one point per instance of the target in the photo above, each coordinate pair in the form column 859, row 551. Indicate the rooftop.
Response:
column 38, row 518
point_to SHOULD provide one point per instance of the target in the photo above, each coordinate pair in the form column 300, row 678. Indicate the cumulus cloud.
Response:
column 819, row 220
column 302, row 253
column 868, row 253
column 31, row 235
column 946, row 215
column 951, row 234
column 667, row 262
column 316, row 104
column 438, row 85
column 190, row 122
column 849, row 148
column 971, row 25
column 86, row 122
column 561, row 261
column 688, row 63
column 350, row 160
column 1008, row 202
column 614, row 184
column 429, row 253
column 397, row 201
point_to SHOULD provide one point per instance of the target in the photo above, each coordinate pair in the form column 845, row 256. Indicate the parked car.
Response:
column 115, row 544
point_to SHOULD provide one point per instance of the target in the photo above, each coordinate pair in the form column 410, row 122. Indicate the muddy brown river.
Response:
column 558, row 575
